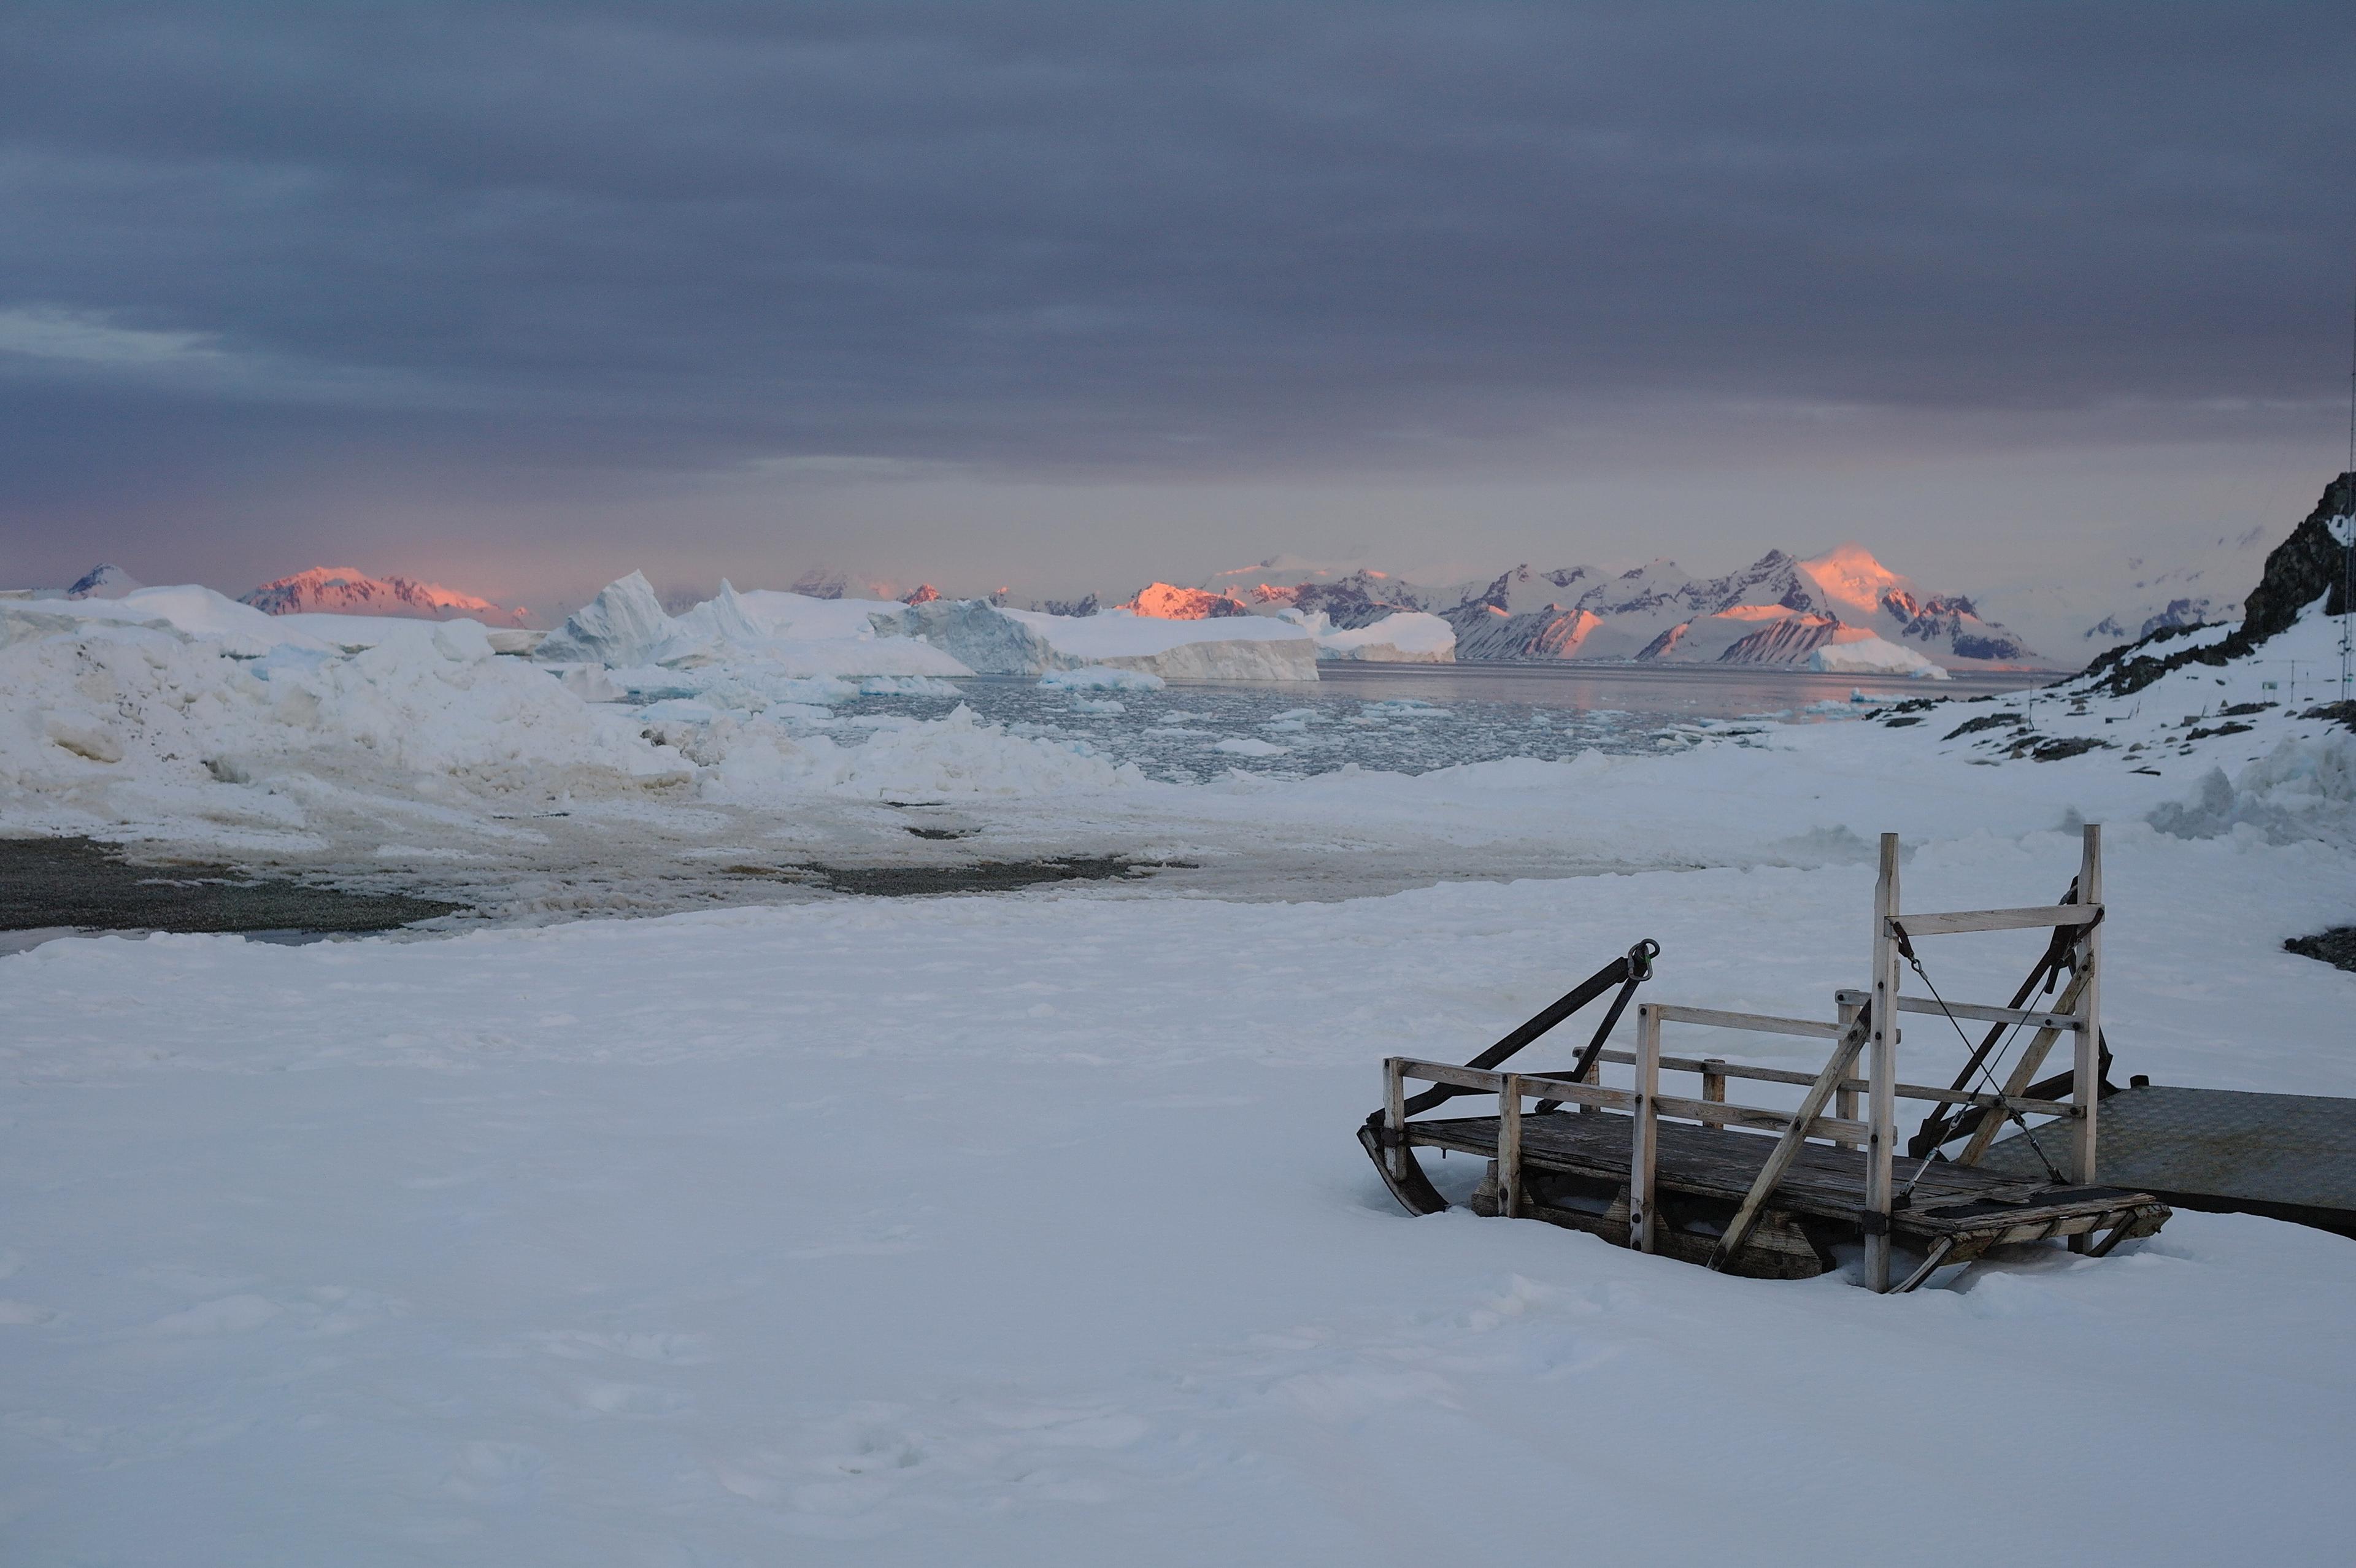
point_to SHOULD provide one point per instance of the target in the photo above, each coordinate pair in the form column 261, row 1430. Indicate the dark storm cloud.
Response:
column 1106, row 238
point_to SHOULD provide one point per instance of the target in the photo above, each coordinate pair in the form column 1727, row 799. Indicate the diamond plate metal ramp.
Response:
column 2292, row 1157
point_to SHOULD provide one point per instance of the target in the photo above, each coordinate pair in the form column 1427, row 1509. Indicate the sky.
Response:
column 1060, row 297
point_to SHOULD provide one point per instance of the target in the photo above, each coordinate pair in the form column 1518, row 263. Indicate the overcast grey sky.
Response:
column 1071, row 295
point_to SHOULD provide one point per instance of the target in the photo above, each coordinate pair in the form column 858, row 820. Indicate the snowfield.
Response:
column 1029, row 1229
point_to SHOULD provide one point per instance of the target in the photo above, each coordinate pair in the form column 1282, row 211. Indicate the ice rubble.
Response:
column 2303, row 789
column 1100, row 677
column 625, row 628
column 755, row 759
column 100, row 701
column 182, row 704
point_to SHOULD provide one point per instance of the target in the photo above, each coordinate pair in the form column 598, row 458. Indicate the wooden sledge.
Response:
column 1695, row 1178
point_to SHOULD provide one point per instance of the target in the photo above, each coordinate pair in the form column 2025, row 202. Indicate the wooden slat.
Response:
column 1999, row 919
column 1698, row 1064
column 1759, row 1023
column 1449, row 1073
column 1717, row 1112
column 2028, row 1017
column 1572, row 1092
column 1987, row 1102
column 1850, row 1086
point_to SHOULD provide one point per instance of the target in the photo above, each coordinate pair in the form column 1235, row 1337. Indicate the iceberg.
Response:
column 624, row 625
column 1869, row 654
column 787, row 636
column 998, row 641
column 1405, row 636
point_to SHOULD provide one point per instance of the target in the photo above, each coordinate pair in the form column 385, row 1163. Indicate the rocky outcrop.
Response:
column 2309, row 566
column 1786, row 641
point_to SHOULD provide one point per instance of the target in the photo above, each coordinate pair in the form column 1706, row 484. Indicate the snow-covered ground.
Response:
column 1029, row 1229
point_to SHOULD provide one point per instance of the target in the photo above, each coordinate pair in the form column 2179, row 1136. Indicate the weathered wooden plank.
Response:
column 1572, row 1092
column 1848, row 1086
column 1701, row 1064
column 2085, row 1089
column 1757, row 1023
column 1449, row 1073
column 1951, row 922
column 1644, row 1137
column 1395, row 1113
column 1881, row 1070
column 2028, row 1017
column 1717, row 1112
column 1509, row 1147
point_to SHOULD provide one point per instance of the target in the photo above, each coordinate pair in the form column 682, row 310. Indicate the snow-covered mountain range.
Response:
column 342, row 591
column 1777, row 611
column 1781, row 610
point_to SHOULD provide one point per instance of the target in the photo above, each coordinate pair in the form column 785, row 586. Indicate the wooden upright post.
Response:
column 1845, row 1100
column 1882, row 1072
column 1395, row 1115
column 2086, row 1075
column 1509, row 1147
column 1643, row 1155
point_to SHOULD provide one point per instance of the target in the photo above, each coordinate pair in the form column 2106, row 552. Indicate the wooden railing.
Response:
column 1828, row 1108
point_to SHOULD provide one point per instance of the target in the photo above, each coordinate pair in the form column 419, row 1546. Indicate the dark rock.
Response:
column 2334, row 713
column 1985, row 722
column 2308, row 565
column 2336, row 946
column 75, row 883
